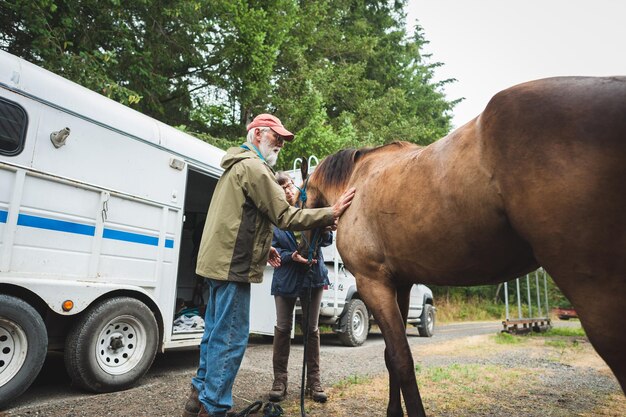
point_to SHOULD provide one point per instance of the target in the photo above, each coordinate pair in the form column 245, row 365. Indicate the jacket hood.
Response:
column 236, row 154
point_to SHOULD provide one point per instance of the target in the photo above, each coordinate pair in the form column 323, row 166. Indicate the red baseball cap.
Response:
column 273, row 122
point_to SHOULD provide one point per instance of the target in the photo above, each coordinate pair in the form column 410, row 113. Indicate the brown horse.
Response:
column 539, row 178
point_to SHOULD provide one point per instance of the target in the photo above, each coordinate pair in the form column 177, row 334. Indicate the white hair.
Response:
column 251, row 132
column 265, row 147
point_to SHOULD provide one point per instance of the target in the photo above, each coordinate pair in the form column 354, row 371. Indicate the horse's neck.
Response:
column 332, row 195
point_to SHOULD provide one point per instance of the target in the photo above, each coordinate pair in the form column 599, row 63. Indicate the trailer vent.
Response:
column 177, row 164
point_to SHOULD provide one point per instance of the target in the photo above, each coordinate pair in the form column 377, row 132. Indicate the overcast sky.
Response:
column 489, row 45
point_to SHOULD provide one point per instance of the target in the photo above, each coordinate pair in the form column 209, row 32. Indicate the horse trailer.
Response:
column 100, row 208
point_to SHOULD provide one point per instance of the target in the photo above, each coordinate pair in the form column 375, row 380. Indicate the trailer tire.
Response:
column 354, row 324
column 23, row 347
column 112, row 345
column 426, row 328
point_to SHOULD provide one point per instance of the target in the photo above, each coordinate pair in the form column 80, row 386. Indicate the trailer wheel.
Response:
column 23, row 347
column 426, row 328
column 354, row 324
column 112, row 345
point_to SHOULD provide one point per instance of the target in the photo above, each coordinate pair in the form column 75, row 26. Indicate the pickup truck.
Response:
column 342, row 308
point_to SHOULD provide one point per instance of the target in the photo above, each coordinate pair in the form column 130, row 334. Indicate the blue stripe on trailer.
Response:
column 135, row 238
column 130, row 237
column 83, row 229
column 58, row 225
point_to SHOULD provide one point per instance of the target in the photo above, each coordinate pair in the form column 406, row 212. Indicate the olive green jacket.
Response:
column 238, row 230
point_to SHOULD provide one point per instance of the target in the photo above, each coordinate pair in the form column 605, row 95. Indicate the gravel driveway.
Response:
column 163, row 391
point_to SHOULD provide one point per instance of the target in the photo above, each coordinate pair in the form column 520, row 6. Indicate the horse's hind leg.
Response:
column 381, row 300
column 601, row 306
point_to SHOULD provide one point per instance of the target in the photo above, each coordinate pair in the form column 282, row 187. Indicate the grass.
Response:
column 454, row 373
column 471, row 387
column 455, row 389
column 508, row 339
column 564, row 331
column 352, row 380
column 449, row 384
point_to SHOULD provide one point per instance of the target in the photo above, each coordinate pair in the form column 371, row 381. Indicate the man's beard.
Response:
column 267, row 150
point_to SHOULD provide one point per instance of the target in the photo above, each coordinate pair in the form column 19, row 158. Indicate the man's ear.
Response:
column 257, row 135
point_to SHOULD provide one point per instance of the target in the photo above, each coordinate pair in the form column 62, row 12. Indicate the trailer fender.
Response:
column 55, row 292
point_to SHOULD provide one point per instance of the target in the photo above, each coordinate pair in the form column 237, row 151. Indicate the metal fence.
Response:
column 537, row 316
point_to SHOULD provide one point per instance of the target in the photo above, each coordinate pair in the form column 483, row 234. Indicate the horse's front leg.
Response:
column 380, row 298
column 394, row 407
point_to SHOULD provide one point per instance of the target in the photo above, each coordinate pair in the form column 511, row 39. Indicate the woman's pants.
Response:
column 282, row 334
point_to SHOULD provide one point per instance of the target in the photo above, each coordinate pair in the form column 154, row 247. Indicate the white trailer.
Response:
column 98, row 209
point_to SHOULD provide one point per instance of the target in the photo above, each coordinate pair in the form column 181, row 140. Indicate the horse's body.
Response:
column 539, row 178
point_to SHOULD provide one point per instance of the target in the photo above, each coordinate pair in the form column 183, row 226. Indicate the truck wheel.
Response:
column 427, row 321
column 354, row 324
column 23, row 347
column 112, row 345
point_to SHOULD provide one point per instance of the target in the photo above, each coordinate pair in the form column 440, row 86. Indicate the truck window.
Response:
column 13, row 123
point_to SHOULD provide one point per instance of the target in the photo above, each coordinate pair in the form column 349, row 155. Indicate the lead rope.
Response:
column 251, row 409
column 269, row 410
column 272, row 410
column 316, row 239
column 306, row 341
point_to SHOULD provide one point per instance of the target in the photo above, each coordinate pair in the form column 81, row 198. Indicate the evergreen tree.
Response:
column 339, row 73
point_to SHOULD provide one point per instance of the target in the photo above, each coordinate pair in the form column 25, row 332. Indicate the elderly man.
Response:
column 233, row 252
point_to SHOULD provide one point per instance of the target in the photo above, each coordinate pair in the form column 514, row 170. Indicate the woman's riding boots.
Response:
column 280, row 359
column 313, row 385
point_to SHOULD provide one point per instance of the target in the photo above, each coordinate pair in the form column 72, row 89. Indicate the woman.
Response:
column 292, row 280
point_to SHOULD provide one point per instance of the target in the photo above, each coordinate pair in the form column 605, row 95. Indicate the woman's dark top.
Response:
column 291, row 277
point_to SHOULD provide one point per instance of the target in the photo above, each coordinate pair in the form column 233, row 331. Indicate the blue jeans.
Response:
column 226, row 330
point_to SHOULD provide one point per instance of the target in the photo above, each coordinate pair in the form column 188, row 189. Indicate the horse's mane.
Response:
column 335, row 170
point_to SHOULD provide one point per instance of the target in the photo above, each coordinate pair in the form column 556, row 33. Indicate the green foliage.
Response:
column 339, row 73
column 504, row 338
column 168, row 54
column 354, row 79
column 317, row 136
column 206, row 137
column 490, row 298
column 564, row 331
column 470, row 308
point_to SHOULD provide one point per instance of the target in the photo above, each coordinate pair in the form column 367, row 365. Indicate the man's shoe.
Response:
column 204, row 413
column 278, row 391
column 192, row 405
column 316, row 392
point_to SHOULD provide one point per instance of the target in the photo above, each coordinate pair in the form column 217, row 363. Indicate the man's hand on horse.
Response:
column 274, row 258
column 343, row 202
